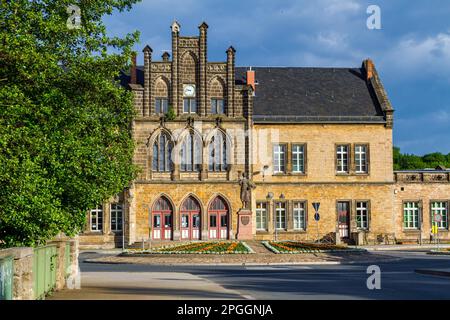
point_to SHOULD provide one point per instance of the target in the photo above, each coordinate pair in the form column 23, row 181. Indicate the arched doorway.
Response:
column 218, row 216
column 162, row 219
column 190, row 219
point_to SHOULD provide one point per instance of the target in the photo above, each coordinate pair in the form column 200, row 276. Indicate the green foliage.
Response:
column 170, row 115
column 65, row 140
column 413, row 162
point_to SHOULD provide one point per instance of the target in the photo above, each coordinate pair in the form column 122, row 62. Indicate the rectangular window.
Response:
column 116, row 216
column 280, row 215
column 190, row 105
column 362, row 215
column 161, row 105
column 361, row 158
column 298, row 158
column 279, row 158
column 261, row 216
column 217, row 106
column 342, row 159
column 213, row 221
column 157, row 221
column 299, row 216
column 411, row 215
column 440, row 208
column 97, row 219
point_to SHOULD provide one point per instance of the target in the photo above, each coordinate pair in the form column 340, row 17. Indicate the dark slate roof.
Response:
column 286, row 94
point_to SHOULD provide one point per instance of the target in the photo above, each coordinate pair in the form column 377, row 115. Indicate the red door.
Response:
column 162, row 220
column 344, row 219
column 218, row 219
column 190, row 219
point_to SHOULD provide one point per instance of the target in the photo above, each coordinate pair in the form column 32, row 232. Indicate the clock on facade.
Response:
column 189, row 90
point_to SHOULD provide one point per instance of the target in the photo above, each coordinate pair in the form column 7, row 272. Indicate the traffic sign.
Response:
column 434, row 229
column 316, row 206
column 317, row 216
column 437, row 218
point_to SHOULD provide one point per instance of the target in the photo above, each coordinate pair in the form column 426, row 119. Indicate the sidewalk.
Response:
column 401, row 247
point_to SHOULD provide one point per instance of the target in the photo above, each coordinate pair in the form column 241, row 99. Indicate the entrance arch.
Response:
column 162, row 219
column 218, row 219
column 190, row 223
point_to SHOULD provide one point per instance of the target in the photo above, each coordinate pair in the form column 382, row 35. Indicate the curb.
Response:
column 222, row 264
column 433, row 272
column 439, row 253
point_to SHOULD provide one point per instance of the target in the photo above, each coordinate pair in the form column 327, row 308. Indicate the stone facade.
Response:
column 183, row 191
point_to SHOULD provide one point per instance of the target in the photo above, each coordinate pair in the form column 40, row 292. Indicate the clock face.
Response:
column 189, row 90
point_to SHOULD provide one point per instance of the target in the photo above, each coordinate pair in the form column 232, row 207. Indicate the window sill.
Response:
column 411, row 230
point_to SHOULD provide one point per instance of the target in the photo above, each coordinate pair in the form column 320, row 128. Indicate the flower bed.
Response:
column 200, row 247
column 303, row 247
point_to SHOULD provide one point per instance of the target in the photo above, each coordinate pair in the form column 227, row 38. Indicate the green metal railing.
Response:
column 44, row 270
column 6, row 278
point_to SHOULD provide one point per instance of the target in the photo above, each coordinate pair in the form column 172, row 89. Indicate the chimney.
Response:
column 165, row 56
column 251, row 78
column 369, row 69
column 133, row 68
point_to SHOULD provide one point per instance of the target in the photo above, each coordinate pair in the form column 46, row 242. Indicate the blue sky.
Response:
column 411, row 51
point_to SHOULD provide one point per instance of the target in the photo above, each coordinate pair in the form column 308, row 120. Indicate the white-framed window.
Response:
column 299, row 215
column 280, row 215
column 96, row 218
column 218, row 153
column 342, row 158
column 362, row 215
column 361, row 158
column 217, row 106
column 261, row 216
column 298, row 158
column 161, row 105
column 189, row 105
column 116, row 216
column 411, row 215
column 440, row 208
column 279, row 158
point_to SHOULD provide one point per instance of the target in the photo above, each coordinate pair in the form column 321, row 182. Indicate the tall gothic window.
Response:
column 162, row 149
column 218, row 152
column 191, row 153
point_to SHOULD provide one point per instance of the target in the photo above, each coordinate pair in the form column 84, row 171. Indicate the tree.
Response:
column 413, row 162
column 65, row 140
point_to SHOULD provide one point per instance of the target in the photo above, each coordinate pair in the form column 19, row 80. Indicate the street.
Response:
column 347, row 281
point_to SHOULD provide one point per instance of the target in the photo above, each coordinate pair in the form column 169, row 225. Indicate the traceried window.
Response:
column 161, row 105
column 190, row 105
column 440, row 208
column 218, row 153
column 191, row 153
column 361, row 158
column 299, row 215
column 162, row 153
column 261, row 216
column 217, row 106
column 411, row 215
column 97, row 219
column 342, row 158
column 280, row 215
column 116, row 216
column 279, row 158
column 298, row 158
column 362, row 215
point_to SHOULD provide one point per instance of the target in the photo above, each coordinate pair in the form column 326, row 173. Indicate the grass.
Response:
column 304, row 247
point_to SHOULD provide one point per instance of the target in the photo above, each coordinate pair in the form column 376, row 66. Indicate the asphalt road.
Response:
column 398, row 280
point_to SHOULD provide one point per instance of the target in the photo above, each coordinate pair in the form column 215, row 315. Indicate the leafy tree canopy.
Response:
column 65, row 141
column 413, row 162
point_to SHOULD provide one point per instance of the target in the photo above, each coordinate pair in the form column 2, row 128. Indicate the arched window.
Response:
column 191, row 153
column 162, row 150
column 218, row 152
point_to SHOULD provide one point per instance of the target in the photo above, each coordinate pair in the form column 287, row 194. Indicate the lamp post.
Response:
column 269, row 198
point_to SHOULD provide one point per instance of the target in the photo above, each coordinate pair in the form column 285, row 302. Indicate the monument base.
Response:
column 244, row 230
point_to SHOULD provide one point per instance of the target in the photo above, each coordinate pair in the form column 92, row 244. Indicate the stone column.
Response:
column 175, row 34
column 202, row 68
column 270, row 215
column 230, row 81
column 290, row 215
column 106, row 218
column 147, row 81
